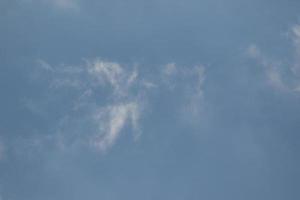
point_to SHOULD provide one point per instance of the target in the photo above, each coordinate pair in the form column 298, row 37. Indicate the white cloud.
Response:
column 275, row 78
column 169, row 73
column 110, row 72
column 111, row 122
column 170, row 69
column 284, row 77
column 271, row 68
column 125, row 100
column 98, row 120
column 296, row 31
column 44, row 65
column 188, row 83
column 200, row 77
column 195, row 95
column 115, row 116
column 115, row 75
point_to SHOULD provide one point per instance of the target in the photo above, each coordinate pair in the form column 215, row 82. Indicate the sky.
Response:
column 160, row 99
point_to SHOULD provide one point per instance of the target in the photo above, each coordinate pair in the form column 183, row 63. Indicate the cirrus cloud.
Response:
column 281, row 76
column 108, row 97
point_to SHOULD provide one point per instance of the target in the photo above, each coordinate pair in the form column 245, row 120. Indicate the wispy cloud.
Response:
column 112, row 120
column 189, row 82
column 110, row 72
column 194, row 106
column 169, row 69
column 168, row 74
column 283, row 77
column 126, row 107
column 124, row 91
column 113, row 74
column 107, row 97
column 271, row 68
column 193, row 94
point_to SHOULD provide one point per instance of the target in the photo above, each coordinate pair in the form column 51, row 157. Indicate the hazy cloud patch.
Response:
column 106, row 97
column 188, row 83
column 279, row 75
column 112, row 120
column 91, row 120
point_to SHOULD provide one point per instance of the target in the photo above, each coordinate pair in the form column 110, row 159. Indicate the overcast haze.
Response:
column 144, row 100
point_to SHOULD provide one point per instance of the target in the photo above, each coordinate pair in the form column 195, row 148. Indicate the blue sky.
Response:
column 161, row 99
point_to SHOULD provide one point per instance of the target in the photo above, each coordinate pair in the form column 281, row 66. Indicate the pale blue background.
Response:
column 244, row 146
